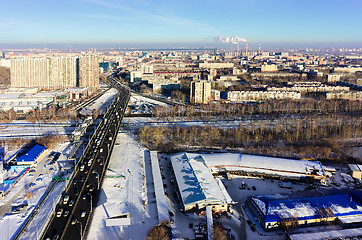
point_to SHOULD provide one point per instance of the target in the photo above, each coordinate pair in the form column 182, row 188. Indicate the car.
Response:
column 75, row 181
column 82, row 178
column 81, row 168
column 83, row 213
column 59, row 212
column 71, row 202
column 84, row 197
column 74, row 221
column 66, row 212
column 15, row 210
column 66, row 199
column 89, row 163
column 76, row 191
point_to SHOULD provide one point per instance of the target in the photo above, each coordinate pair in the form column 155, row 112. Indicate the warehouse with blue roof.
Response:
column 28, row 155
column 271, row 210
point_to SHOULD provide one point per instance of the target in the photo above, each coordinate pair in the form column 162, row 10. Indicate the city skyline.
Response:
column 111, row 23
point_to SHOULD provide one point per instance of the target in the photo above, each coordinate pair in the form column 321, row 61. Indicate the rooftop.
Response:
column 195, row 181
column 274, row 207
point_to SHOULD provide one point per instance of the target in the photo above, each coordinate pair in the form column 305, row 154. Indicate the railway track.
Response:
column 87, row 102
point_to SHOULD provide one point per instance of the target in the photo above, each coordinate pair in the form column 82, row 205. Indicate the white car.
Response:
column 66, row 199
column 59, row 212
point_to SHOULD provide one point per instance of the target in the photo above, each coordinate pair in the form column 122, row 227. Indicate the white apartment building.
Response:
column 240, row 96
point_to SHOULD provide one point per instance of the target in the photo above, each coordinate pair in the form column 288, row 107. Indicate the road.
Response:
column 76, row 204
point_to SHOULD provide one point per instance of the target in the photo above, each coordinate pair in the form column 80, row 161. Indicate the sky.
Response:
column 176, row 23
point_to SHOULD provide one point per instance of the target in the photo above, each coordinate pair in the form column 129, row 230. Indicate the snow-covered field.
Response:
column 34, row 131
column 125, row 190
column 135, row 98
column 104, row 101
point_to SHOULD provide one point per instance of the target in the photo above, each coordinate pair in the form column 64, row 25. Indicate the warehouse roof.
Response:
column 276, row 207
column 272, row 166
column 195, row 181
column 30, row 154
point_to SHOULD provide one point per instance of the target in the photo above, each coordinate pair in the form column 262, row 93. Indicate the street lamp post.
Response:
column 81, row 228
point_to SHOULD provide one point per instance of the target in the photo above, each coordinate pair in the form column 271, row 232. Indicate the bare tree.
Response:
column 287, row 224
column 326, row 214
column 160, row 232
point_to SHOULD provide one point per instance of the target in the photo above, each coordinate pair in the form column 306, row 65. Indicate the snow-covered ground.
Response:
column 36, row 226
column 34, row 131
column 30, row 190
column 135, row 98
column 104, row 101
column 125, row 190
column 142, row 105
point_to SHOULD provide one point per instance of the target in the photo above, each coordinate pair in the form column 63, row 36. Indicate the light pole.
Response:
column 80, row 234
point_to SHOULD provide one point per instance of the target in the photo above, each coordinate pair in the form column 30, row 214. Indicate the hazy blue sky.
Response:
column 181, row 22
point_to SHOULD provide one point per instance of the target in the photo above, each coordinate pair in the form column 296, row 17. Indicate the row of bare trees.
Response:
column 52, row 114
column 312, row 137
column 230, row 110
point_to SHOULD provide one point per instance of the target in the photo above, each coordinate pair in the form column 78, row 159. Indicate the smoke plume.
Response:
column 233, row 40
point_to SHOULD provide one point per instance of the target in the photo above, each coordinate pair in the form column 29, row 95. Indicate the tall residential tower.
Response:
column 55, row 72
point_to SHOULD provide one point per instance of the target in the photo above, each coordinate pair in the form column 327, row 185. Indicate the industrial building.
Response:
column 23, row 103
column 355, row 170
column 262, row 166
column 29, row 155
column 272, row 210
column 197, row 186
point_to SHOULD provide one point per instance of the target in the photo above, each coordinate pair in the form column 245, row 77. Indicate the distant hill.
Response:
column 4, row 76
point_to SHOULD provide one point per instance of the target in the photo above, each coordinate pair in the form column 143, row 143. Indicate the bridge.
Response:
column 71, row 216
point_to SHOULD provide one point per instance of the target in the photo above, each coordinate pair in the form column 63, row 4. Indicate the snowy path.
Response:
column 126, row 194
column 35, row 227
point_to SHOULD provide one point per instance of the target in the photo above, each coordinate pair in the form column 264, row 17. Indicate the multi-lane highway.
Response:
column 71, row 216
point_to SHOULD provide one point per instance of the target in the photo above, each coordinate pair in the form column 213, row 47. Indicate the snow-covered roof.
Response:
column 355, row 167
column 277, row 207
column 195, row 181
column 351, row 219
column 336, row 234
column 30, row 154
column 161, row 203
column 232, row 161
